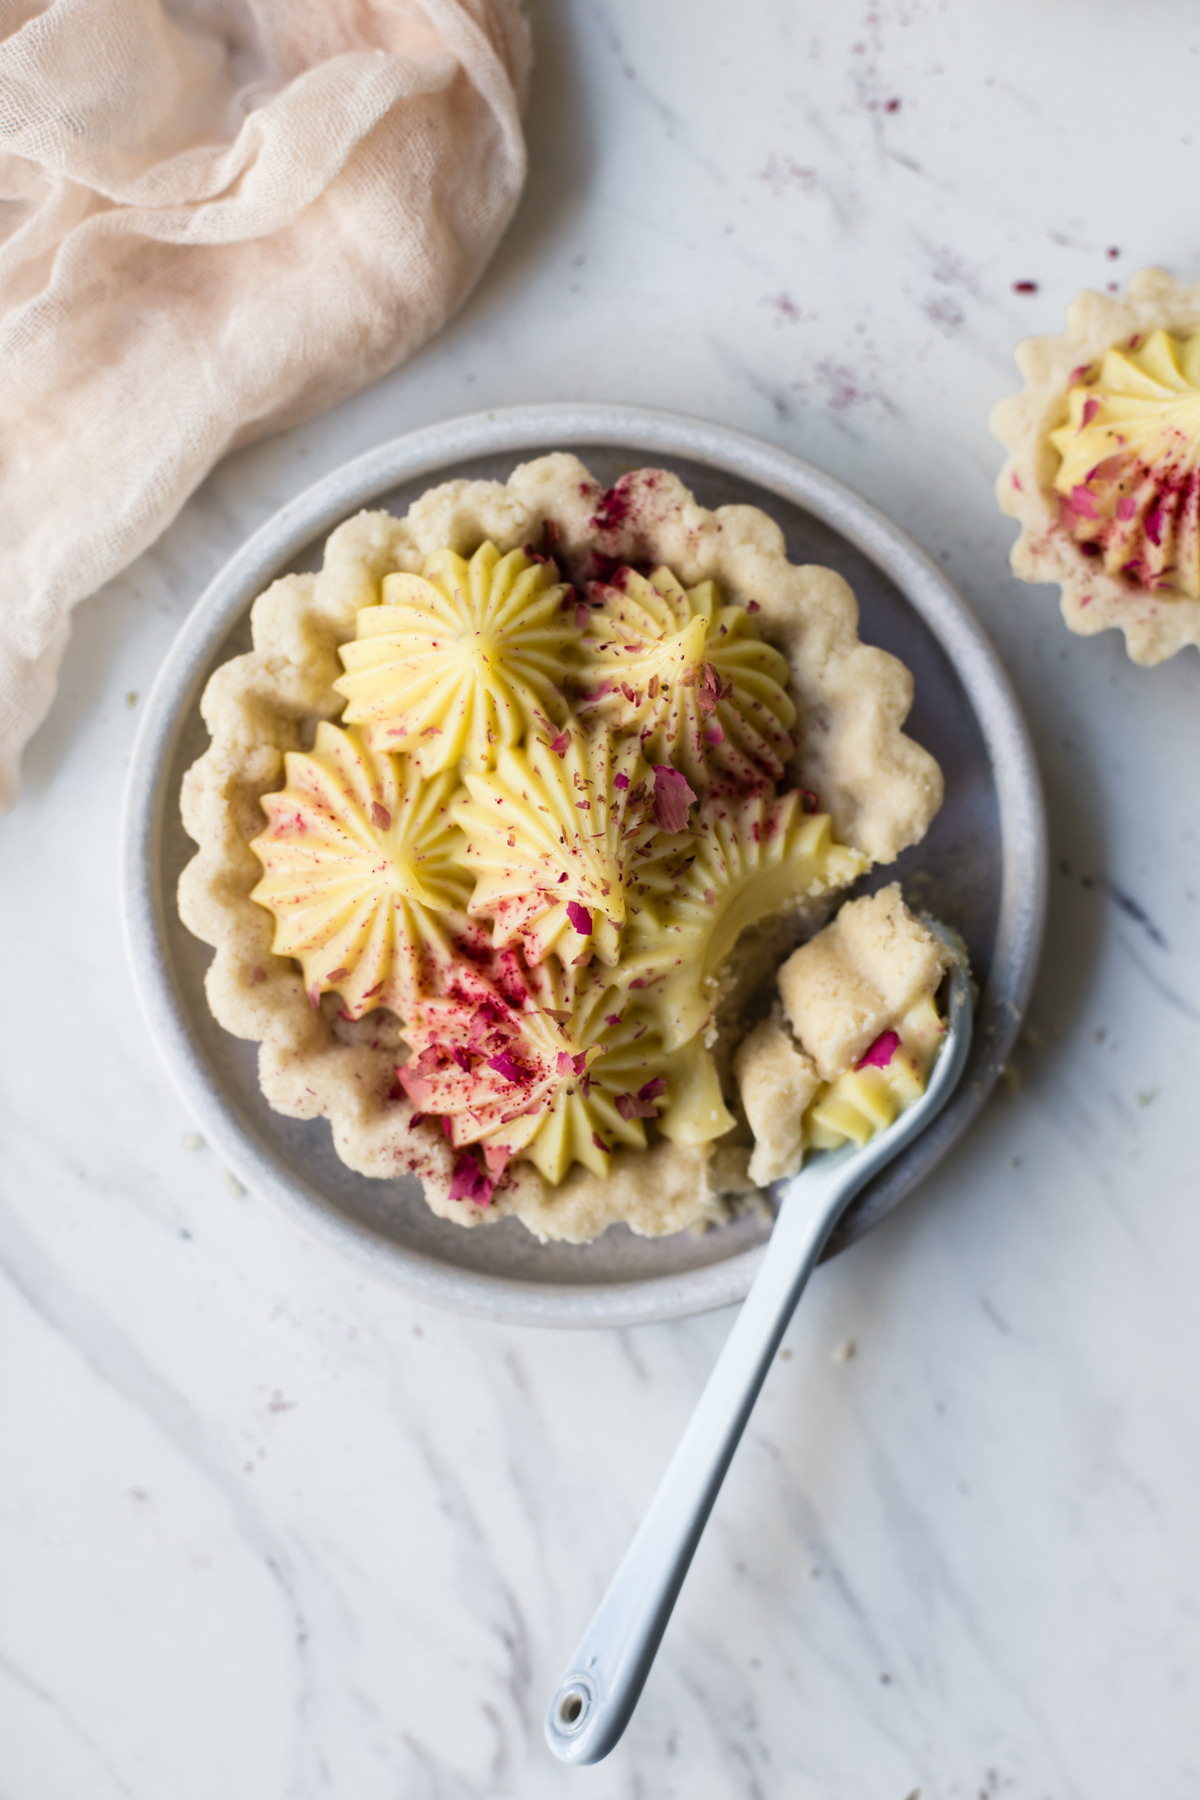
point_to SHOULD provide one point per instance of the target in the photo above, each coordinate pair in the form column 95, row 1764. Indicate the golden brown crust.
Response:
column 1156, row 626
column 881, row 788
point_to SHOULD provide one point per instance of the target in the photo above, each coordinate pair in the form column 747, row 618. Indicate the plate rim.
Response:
column 538, row 428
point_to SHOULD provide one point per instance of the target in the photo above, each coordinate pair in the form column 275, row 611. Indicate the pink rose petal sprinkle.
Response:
column 621, row 781
column 630, row 1107
column 580, row 918
column 562, row 743
column 1083, row 504
column 1090, row 409
column 506, row 1065
column 1126, row 507
column 672, row 797
column 881, row 1051
column 470, row 1182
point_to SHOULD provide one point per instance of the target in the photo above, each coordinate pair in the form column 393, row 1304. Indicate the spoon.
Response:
column 595, row 1699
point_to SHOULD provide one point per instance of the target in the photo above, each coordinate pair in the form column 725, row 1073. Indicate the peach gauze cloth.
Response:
column 216, row 218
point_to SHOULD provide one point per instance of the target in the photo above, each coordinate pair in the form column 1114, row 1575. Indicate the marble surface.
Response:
column 272, row 1530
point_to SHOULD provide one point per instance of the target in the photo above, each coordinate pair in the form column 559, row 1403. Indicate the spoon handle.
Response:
column 597, row 1695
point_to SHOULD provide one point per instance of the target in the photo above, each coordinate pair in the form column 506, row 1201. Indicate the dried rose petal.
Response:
column 672, row 797
column 505, row 1064
column 631, row 1107
column 470, row 1182
column 580, row 918
column 881, row 1051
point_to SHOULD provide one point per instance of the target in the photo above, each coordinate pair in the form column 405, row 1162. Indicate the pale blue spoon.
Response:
column 595, row 1699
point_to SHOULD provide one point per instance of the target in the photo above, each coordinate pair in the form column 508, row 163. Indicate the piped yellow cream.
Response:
column 462, row 659
column 690, row 676
column 1129, row 478
column 362, row 868
column 537, row 843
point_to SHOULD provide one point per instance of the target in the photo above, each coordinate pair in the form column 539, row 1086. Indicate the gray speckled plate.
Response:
column 982, row 868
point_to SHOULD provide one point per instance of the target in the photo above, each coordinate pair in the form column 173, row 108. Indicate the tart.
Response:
column 508, row 822
column 1103, row 471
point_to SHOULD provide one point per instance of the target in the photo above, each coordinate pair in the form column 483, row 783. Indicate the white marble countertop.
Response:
column 271, row 1529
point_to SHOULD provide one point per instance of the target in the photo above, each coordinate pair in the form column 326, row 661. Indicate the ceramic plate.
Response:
column 982, row 867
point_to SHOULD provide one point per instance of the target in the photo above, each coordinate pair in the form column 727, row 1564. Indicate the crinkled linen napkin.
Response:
column 216, row 218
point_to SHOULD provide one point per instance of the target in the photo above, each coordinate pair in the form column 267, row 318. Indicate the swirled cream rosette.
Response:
column 1103, row 470
column 494, row 808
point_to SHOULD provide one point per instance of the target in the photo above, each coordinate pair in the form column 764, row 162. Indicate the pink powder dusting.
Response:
column 614, row 508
